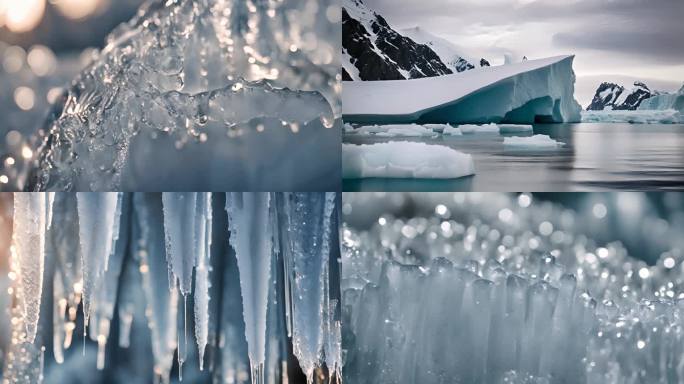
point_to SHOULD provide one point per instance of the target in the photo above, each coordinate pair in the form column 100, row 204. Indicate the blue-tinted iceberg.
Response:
column 531, row 91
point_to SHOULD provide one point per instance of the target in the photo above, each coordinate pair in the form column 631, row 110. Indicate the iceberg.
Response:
column 404, row 160
column 665, row 101
column 245, row 91
column 531, row 142
column 640, row 116
column 532, row 91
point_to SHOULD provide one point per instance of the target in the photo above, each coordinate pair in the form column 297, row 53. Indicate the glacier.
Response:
column 639, row 116
column 532, row 91
column 502, row 288
column 254, row 274
column 399, row 159
column 665, row 101
column 232, row 87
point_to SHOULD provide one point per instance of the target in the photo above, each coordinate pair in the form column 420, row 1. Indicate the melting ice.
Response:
column 226, row 86
column 502, row 289
column 253, row 268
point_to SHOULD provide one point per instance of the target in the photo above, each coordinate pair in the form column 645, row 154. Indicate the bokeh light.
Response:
column 78, row 9
column 21, row 15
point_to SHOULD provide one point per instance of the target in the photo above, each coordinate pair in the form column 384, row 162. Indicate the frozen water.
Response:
column 109, row 251
column 525, row 92
column 665, row 101
column 514, row 128
column 97, row 215
column 30, row 210
column 309, row 229
column 666, row 116
column 531, row 142
column 405, row 160
column 484, row 128
column 251, row 236
column 201, row 84
column 518, row 290
column 409, row 130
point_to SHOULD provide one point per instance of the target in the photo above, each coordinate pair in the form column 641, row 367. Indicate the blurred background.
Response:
column 43, row 45
column 646, row 224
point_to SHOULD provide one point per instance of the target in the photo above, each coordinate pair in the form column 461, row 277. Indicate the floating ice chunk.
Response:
column 30, row 225
column 452, row 131
column 405, row 160
column 667, row 116
column 251, row 236
column 531, row 142
column 485, row 128
column 514, row 128
column 408, row 130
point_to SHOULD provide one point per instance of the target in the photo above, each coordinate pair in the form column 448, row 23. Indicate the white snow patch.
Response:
column 532, row 142
column 404, row 160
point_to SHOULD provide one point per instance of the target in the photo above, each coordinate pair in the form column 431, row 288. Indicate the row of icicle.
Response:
column 296, row 230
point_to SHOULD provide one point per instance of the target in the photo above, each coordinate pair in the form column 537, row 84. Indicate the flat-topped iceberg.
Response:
column 531, row 142
column 404, row 160
column 474, row 128
column 526, row 92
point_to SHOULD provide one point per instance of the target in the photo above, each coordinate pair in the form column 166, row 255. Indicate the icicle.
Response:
column 50, row 196
column 59, row 305
column 201, row 304
column 162, row 302
column 251, row 237
column 105, row 296
column 179, row 230
column 97, row 215
column 309, row 230
column 30, row 213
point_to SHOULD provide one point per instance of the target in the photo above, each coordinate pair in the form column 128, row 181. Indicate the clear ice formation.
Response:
column 191, row 84
column 248, row 274
column 502, row 289
column 30, row 226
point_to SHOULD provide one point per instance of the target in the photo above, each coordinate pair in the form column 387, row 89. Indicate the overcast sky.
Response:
column 619, row 40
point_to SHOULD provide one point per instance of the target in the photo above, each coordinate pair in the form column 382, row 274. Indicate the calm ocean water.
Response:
column 597, row 157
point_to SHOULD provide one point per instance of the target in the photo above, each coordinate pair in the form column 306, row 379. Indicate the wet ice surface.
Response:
column 172, row 263
column 500, row 288
column 229, row 87
column 595, row 157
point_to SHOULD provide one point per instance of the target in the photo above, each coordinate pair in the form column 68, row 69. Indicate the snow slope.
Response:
column 404, row 160
column 526, row 92
column 448, row 52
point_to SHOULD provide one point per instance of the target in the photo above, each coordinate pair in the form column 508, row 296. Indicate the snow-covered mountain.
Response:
column 611, row 96
column 449, row 53
column 372, row 50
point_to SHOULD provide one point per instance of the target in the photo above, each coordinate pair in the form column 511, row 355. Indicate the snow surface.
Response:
column 404, row 160
column 532, row 142
column 667, row 116
column 515, row 93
